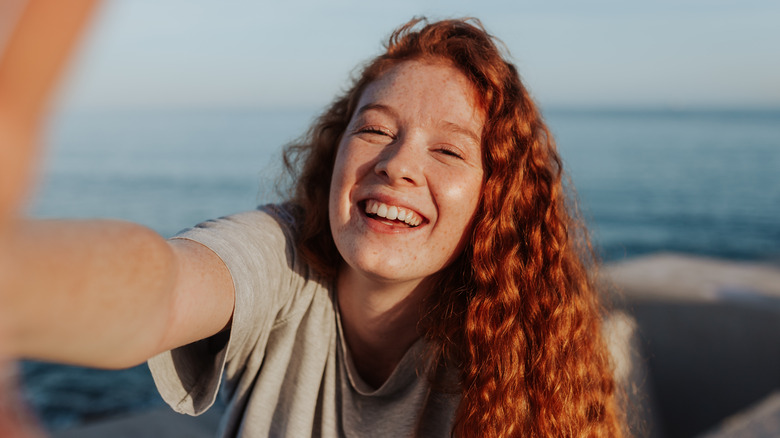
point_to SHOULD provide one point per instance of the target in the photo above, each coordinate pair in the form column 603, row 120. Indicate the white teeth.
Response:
column 391, row 212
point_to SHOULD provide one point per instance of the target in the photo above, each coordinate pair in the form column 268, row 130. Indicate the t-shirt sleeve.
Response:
column 258, row 250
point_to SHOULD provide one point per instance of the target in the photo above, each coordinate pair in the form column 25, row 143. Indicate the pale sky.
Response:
column 184, row 53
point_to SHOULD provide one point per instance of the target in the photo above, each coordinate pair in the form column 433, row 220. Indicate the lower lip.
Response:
column 383, row 227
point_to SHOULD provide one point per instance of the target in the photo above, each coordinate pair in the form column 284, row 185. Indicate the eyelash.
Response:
column 375, row 130
column 451, row 152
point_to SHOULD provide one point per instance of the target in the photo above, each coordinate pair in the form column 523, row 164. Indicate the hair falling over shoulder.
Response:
column 518, row 312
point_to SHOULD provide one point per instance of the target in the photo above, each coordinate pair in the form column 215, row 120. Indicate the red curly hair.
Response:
column 517, row 312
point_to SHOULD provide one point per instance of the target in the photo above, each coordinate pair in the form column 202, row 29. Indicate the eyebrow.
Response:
column 448, row 126
column 377, row 107
column 460, row 130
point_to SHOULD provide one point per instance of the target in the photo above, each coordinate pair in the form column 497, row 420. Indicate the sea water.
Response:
column 696, row 182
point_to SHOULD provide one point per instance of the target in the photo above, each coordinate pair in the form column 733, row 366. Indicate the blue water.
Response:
column 704, row 183
column 698, row 182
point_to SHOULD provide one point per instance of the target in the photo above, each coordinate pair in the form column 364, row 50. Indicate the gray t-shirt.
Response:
column 286, row 368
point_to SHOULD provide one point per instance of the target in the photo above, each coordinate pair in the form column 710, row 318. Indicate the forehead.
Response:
column 427, row 89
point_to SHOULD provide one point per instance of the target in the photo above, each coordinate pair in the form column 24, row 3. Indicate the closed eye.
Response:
column 451, row 152
column 378, row 130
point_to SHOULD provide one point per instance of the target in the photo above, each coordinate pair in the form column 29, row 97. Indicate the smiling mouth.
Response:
column 391, row 214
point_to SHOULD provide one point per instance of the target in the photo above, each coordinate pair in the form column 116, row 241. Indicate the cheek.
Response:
column 462, row 195
column 352, row 165
column 336, row 185
column 345, row 175
column 463, row 204
column 461, row 198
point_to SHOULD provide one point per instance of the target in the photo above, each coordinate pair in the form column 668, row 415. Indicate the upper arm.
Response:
column 203, row 296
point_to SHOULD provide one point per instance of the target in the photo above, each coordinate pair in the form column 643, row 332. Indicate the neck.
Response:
column 379, row 321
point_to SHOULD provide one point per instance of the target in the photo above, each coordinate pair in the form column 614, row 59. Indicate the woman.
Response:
column 429, row 203
column 425, row 279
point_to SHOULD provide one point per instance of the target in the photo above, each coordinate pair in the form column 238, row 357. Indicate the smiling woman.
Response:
column 498, row 277
column 425, row 277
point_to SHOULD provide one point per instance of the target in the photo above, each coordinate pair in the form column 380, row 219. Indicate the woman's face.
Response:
column 408, row 174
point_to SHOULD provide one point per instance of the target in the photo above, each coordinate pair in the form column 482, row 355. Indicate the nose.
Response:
column 401, row 163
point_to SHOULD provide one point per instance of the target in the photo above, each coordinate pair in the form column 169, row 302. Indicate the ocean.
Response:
column 697, row 182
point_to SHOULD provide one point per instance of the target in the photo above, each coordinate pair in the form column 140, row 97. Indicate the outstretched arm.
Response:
column 108, row 293
column 99, row 293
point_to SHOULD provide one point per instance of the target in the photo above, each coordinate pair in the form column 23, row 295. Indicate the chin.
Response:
column 383, row 271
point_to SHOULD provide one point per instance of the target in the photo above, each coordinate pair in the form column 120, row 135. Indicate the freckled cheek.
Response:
column 338, row 200
column 354, row 161
column 350, row 169
column 460, row 198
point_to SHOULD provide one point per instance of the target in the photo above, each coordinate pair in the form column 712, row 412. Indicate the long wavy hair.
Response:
column 517, row 313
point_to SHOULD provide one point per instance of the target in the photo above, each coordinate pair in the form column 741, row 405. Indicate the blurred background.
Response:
column 667, row 115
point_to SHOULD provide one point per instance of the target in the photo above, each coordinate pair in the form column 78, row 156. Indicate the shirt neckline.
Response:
column 405, row 373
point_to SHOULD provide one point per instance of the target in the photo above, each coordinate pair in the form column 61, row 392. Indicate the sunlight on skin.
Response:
column 34, row 54
column 33, row 58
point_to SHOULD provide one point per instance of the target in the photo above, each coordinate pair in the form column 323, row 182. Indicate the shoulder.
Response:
column 268, row 231
column 258, row 247
column 266, row 220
